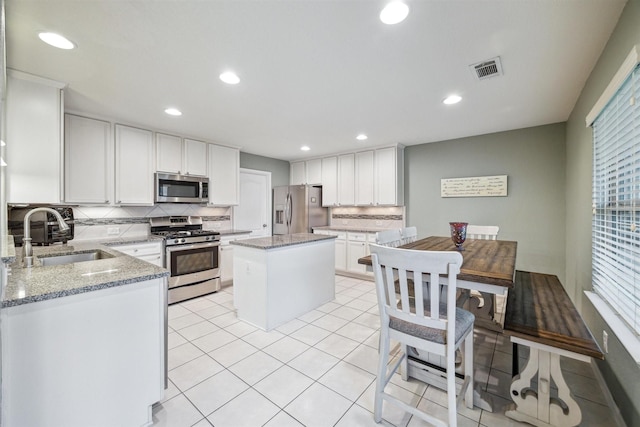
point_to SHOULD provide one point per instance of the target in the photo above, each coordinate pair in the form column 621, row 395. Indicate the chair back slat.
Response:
column 393, row 265
column 482, row 232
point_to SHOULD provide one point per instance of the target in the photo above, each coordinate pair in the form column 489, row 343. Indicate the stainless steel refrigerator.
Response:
column 297, row 209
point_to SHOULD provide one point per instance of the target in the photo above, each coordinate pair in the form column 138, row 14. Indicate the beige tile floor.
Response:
column 319, row 369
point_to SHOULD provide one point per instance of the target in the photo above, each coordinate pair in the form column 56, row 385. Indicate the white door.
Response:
column 254, row 211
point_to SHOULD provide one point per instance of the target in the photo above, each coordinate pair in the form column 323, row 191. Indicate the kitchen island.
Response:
column 279, row 278
column 83, row 343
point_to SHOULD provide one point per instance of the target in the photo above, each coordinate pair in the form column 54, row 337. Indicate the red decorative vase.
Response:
column 458, row 234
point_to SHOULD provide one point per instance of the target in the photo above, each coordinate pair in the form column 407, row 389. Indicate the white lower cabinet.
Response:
column 226, row 257
column 350, row 246
column 356, row 249
column 147, row 251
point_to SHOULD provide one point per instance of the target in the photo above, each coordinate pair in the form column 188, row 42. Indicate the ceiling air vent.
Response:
column 487, row 69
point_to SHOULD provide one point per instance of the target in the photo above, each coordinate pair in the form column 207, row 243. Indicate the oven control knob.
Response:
column 182, row 240
column 207, row 238
column 177, row 241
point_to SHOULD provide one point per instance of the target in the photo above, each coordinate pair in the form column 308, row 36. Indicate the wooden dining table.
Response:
column 488, row 267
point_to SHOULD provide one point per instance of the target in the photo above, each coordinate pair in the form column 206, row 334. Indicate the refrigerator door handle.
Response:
column 290, row 210
column 286, row 211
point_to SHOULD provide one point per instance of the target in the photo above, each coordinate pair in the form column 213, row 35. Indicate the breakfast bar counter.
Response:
column 279, row 278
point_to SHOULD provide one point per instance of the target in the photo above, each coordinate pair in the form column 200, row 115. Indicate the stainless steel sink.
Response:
column 74, row 257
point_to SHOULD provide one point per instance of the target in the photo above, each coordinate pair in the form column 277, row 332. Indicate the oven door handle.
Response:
column 192, row 246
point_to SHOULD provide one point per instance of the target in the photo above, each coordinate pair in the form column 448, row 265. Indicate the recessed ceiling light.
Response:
column 452, row 99
column 173, row 112
column 361, row 137
column 305, row 148
column 56, row 40
column 230, row 77
column 394, row 12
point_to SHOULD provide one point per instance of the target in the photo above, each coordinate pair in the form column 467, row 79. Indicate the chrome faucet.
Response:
column 26, row 240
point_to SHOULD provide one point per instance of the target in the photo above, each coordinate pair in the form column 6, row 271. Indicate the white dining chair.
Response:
column 409, row 235
column 392, row 238
column 483, row 232
column 422, row 323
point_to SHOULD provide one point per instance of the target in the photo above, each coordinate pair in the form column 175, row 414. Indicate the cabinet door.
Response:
column 329, row 181
column 224, row 175
column 356, row 249
column 195, row 157
column 168, row 153
column 364, row 178
column 134, row 166
column 298, row 173
column 314, row 171
column 34, row 140
column 226, row 264
column 341, row 255
column 346, row 180
column 88, row 176
column 389, row 176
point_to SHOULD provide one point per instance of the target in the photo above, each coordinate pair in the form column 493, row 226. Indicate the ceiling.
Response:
column 314, row 72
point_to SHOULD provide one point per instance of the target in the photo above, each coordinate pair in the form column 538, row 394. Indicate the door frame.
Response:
column 268, row 198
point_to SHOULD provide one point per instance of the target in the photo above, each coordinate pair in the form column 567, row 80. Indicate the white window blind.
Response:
column 616, row 202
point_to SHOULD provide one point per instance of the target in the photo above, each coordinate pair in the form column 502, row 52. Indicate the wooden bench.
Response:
column 541, row 315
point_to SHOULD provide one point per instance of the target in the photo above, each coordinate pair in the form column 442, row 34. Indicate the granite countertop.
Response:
column 354, row 229
column 39, row 283
column 280, row 241
column 233, row 231
column 129, row 240
column 7, row 249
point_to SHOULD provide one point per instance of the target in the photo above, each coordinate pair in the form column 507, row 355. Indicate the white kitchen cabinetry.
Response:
column 195, row 157
column 298, row 173
column 168, row 153
column 224, row 175
column 175, row 155
column 350, row 246
column 134, row 166
column 88, row 176
column 147, row 251
column 356, row 248
column 389, row 174
column 34, row 139
column 364, row 178
column 346, row 180
column 307, row 172
column 314, row 171
column 329, row 181
column 226, row 256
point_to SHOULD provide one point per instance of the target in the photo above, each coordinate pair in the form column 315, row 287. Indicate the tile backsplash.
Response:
column 369, row 217
column 100, row 222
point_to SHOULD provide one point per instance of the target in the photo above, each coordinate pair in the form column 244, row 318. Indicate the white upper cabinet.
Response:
column 329, row 181
column 134, row 166
column 224, row 175
column 34, row 139
column 88, row 165
column 168, row 153
column 297, row 173
column 307, row 172
column 314, row 171
column 364, row 179
column 195, row 157
column 175, row 155
column 346, row 180
column 389, row 173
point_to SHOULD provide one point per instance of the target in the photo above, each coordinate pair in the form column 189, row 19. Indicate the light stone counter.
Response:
column 39, row 283
column 354, row 229
column 7, row 249
column 280, row 241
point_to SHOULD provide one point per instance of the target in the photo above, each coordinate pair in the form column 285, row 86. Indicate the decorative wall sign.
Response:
column 478, row 186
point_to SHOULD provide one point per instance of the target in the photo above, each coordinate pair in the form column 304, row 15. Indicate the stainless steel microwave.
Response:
column 171, row 188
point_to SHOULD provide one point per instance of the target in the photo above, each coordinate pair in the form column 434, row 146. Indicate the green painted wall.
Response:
column 533, row 213
column 279, row 168
column 621, row 373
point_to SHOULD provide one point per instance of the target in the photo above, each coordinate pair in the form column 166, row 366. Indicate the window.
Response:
column 616, row 199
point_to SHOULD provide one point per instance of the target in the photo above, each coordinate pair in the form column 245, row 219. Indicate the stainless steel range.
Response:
column 192, row 256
